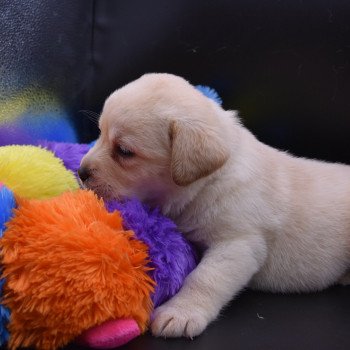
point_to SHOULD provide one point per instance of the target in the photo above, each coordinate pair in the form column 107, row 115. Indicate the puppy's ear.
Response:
column 197, row 151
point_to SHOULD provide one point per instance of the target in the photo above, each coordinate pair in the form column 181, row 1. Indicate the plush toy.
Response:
column 210, row 93
column 7, row 204
column 33, row 172
column 75, row 270
column 69, row 265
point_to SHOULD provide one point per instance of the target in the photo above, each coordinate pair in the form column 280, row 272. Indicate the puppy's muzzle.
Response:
column 84, row 173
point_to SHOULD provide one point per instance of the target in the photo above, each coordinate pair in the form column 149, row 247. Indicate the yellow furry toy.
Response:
column 34, row 173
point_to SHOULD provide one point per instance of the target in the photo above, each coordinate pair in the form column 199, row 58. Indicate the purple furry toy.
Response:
column 172, row 257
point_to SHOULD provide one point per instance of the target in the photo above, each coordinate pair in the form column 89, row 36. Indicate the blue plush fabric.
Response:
column 210, row 93
column 7, row 204
column 4, row 319
column 172, row 257
column 92, row 144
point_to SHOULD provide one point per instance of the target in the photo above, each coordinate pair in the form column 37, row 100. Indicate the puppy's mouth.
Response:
column 104, row 191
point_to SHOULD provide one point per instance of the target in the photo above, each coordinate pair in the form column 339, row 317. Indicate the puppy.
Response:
column 264, row 218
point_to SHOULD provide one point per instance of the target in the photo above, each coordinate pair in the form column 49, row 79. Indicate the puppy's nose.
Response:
column 84, row 173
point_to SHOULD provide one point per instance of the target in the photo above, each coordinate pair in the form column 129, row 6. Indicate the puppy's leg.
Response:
column 223, row 271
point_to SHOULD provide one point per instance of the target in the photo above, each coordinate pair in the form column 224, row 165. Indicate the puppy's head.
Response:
column 158, row 134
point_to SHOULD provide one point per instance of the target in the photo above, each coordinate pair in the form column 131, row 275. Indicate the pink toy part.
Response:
column 110, row 334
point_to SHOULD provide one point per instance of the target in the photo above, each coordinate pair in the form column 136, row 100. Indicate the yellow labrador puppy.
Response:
column 265, row 219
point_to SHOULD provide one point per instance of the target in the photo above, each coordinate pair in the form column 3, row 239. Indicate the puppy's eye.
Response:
column 124, row 152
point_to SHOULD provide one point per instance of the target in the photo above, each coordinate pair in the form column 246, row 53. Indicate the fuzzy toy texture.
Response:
column 111, row 334
column 70, row 153
column 172, row 257
column 34, row 173
column 70, row 265
column 210, row 93
column 4, row 318
column 7, row 204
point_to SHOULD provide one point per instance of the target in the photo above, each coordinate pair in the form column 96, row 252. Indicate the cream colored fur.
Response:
column 264, row 218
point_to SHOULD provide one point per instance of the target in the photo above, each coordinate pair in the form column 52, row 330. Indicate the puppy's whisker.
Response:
column 92, row 113
column 92, row 116
column 81, row 183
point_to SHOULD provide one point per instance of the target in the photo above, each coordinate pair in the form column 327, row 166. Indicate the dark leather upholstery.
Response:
column 259, row 321
column 46, row 45
column 284, row 64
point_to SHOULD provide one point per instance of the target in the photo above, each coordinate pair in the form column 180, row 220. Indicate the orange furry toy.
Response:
column 59, row 268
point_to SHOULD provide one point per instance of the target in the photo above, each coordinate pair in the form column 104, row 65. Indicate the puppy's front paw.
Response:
column 171, row 321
